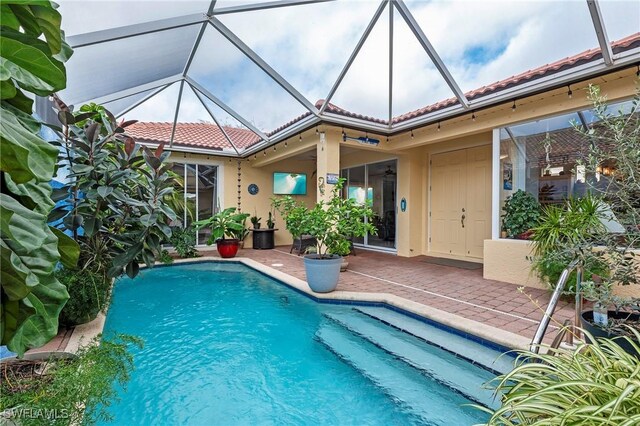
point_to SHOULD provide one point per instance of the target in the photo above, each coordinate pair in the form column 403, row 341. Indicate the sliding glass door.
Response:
column 198, row 198
column 377, row 183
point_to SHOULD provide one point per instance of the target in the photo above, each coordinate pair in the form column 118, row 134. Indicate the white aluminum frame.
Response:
column 593, row 68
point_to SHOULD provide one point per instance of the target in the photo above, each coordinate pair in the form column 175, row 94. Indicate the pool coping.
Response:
column 474, row 330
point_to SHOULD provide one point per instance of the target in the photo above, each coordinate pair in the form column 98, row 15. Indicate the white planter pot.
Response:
column 322, row 273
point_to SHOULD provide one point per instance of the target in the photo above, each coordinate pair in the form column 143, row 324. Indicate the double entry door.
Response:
column 460, row 201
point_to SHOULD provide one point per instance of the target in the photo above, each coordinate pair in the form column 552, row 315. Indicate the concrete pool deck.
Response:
column 459, row 298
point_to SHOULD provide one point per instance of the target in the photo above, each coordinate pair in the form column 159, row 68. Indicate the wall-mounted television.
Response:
column 289, row 183
column 358, row 193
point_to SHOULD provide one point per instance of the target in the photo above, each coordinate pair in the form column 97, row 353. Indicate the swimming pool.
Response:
column 225, row 344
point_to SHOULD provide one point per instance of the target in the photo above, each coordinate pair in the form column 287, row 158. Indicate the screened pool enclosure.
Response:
column 279, row 68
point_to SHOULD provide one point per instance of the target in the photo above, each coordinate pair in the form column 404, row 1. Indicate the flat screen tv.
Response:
column 289, row 183
column 357, row 193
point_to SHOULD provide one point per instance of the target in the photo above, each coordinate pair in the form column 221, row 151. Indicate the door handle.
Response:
column 462, row 220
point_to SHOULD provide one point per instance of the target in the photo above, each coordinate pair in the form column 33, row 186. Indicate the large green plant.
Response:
column 521, row 213
column 75, row 391
column 224, row 224
column 32, row 56
column 115, row 193
column 595, row 384
column 183, row 241
column 331, row 223
column 567, row 232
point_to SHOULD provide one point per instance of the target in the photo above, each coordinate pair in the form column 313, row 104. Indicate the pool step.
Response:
column 489, row 358
column 436, row 363
column 425, row 398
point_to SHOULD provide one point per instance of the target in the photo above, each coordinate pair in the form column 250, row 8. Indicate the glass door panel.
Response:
column 356, row 189
column 381, row 183
column 206, row 197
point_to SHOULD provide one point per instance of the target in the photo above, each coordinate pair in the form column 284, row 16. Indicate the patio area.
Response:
column 455, row 290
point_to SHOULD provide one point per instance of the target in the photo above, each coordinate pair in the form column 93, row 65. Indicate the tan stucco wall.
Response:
column 506, row 260
column 502, row 262
column 261, row 176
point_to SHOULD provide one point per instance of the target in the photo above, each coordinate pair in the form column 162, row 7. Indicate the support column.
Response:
column 410, row 222
column 328, row 162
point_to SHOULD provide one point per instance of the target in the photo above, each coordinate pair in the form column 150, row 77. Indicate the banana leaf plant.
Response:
column 32, row 56
column 223, row 225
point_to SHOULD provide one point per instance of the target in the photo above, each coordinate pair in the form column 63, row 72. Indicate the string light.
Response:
column 412, row 134
column 264, row 153
column 473, row 116
column 570, row 92
column 285, row 144
column 513, row 107
column 387, row 139
column 638, row 72
column 255, row 157
column 438, row 126
column 300, row 137
column 274, row 148
column 317, row 132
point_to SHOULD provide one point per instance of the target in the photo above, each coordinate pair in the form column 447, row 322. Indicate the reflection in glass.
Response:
column 543, row 158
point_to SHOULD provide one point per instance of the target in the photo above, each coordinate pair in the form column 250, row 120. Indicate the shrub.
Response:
column 521, row 213
column 596, row 384
column 77, row 390
column 183, row 241
column 89, row 293
column 165, row 257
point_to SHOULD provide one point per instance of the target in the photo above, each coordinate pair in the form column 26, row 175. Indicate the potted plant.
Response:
column 225, row 226
column 270, row 222
column 242, row 234
column 521, row 214
column 255, row 221
column 331, row 223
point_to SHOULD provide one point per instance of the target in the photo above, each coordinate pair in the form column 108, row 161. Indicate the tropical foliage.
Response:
column 68, row 391
column 331, row 223
column 596, row 384
column 183, row 241
column 88, row 295
column 32, row 56
column 521, row 213
column 225, row 224
column 115, row 193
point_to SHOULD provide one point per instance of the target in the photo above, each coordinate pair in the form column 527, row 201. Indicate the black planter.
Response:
column 263, row 239
column 587, row 324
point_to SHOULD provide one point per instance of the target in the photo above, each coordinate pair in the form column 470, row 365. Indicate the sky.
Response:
column 479, row 41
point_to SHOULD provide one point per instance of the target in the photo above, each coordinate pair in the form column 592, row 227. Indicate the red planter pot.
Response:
column 228, row 248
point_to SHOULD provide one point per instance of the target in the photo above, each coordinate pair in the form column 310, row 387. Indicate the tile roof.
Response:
column 197, row 135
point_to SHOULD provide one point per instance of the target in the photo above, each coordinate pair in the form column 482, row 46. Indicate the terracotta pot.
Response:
column 228, row 248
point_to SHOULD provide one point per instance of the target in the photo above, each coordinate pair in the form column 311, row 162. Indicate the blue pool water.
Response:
column 226, row 345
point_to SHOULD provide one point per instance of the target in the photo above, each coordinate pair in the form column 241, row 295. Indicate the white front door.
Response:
column 461, row 201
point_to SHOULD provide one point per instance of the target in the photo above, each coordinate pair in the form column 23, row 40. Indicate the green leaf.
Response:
column 8, row 18
column 68, row 248
column 29, row 252
column 21, row 102
column 49, row 21
column 27, row 21
column 25, row 156
column 33, row 195
column 30, row 64
column 7, row 89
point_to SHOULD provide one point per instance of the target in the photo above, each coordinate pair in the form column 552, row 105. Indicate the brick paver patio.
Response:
column 460, row 291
